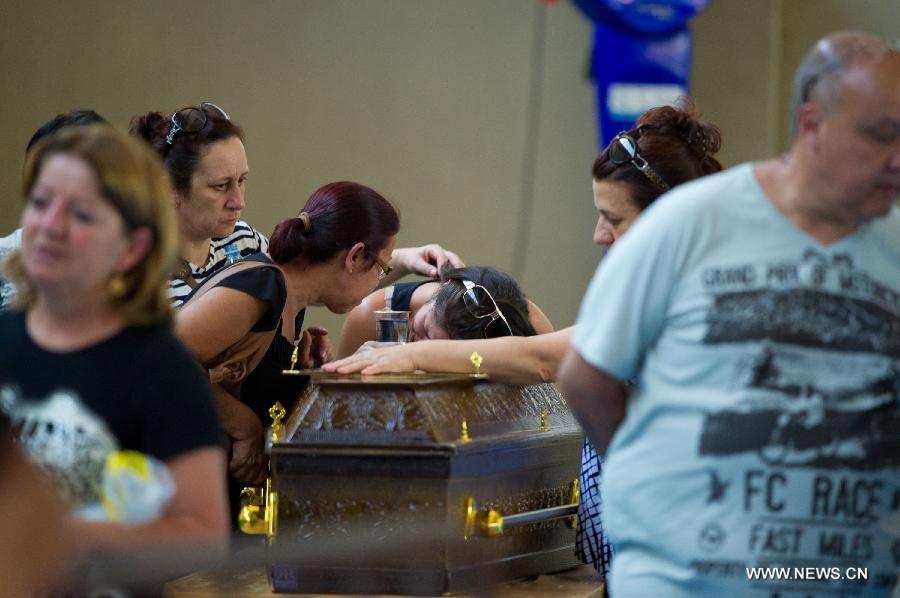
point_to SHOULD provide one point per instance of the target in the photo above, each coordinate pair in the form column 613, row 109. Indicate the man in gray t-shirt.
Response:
column 759, row 311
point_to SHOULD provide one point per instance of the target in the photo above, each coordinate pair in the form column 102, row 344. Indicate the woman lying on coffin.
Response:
column 333, row 254
column 467, row 303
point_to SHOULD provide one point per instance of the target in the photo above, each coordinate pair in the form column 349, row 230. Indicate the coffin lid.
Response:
column 421, row 409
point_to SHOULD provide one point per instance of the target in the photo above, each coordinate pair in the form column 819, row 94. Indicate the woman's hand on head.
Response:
column 426, row 260
column 376, row 358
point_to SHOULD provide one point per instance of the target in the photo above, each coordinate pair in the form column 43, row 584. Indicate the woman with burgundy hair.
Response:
column 333, row 253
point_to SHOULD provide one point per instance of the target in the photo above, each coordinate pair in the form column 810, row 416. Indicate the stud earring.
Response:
column 117, row 287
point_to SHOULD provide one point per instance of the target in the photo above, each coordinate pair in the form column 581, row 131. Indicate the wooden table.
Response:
column 254, row 583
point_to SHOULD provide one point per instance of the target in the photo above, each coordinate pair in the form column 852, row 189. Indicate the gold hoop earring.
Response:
column 117, row 287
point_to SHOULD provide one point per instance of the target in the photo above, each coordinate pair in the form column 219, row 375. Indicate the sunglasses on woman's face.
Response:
column 192, row 120
column 481, row 304
column 624, row 150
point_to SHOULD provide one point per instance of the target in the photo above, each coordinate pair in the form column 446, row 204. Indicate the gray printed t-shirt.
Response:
column 764, row 429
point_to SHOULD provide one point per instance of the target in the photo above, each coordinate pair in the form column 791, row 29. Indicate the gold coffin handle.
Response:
column 490, row 523
column 259, row 510
column 259, row 504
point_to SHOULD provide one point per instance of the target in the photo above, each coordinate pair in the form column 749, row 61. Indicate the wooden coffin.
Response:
column 400, row 485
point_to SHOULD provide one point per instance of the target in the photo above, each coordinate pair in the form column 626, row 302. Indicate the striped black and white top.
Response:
column 248, row 241
column 8, row 245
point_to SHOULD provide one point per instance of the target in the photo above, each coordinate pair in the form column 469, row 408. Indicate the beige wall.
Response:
column 732, row 75
column 745, row 55
column 464, row 112
column 800, row 31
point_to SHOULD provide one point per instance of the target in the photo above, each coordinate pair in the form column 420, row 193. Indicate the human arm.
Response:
column 426, row 260
column 216, row 321
column 208, row 326
column 596, row 398
column 538, row 319
column 36, row 551
column 247, row 461
column 196, row 519
column 513, row 359
column 166, row 411
column 359, row 325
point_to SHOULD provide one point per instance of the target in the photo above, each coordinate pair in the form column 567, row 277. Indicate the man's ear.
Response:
column 356, row 256
column 809, row 118
column 810, row 121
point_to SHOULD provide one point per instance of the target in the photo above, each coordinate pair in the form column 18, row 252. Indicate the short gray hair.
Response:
column 819, row 75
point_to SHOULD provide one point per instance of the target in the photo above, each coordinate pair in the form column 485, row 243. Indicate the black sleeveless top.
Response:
column 403, row 293
column 266, row 384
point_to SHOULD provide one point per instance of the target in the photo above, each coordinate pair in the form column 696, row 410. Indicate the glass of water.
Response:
column 391, row 325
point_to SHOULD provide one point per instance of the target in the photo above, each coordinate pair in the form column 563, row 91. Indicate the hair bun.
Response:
column 147, row 126
column 683, row 121
column 288, row 240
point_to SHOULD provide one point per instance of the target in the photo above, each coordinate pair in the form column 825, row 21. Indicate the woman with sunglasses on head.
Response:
column 470, row 302
column 669, row 145
column 333, row 254
column 204, row 153
column 203, row 150
column 89, row 365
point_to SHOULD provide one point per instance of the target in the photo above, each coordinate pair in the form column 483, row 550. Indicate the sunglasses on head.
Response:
column 481, row 304
column 193, row 119
column 624, row 150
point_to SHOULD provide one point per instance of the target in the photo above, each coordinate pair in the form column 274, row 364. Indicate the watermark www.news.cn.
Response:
column 808, row 573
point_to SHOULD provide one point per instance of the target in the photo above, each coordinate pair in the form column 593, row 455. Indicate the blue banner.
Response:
column 641, row 57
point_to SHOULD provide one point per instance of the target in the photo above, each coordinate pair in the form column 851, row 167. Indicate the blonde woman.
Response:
column 89, row 364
